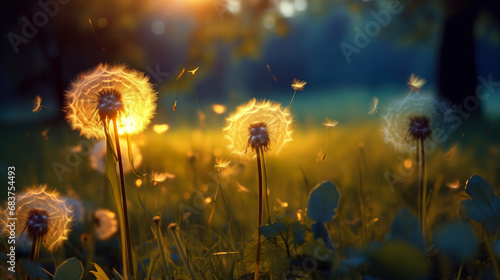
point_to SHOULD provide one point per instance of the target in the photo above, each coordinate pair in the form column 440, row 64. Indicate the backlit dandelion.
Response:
column 329, row 124
column 412, row 128
column 43, row 217
column 108, row 93
column 103, row 103
column 262, row 126
column 259, row 125
column 297, row 85
column 105, row 224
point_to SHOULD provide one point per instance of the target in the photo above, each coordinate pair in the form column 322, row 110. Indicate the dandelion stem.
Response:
column 183, row 254
column 265, row 188
column 292, row 98
column 259, row 170
column 35, row 250
column 162, row 251
column 128, row 269
column 422, row 184
column 327, row 138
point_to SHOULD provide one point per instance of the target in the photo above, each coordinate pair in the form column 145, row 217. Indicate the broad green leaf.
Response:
column 323, row 201
column 484, row 205
column 70, row 269
column 99, row 274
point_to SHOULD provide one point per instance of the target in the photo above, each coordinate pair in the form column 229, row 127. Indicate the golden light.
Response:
column 408, row 163
column 134, row 107
column 138, row 183
column 454, row 185
column 282, row 203
column 277, row 119
column 219, row 109
column 161, row 128
column 59, row 216
column 208, row 200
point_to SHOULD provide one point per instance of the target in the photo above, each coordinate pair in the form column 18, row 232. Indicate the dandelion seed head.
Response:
column 329, row 123
column 258, row 124
column 42, row 214
column 420, row 116
column 105, row 223
column 106, row 93
column 221, row 164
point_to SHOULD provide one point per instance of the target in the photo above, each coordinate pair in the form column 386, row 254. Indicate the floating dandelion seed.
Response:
column 268, row 68
column 297, row 85
column 221, row 164
column 281, row 203
column 37, row 104
column 264, row 127
column 373, row 106
column 157, row 177
column 414, row 83
column 43, row 216
column 108, row 93
column 194, row 70
column 178, row 84
column 271, row 126
column 455, row 146
column 160, row 128
column 105, row 223
column 329, row 124
column 219, row 109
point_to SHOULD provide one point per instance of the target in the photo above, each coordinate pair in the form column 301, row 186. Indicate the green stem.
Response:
column 128, row 269
column 162, row 251
column 183, row 254
column 259, row 223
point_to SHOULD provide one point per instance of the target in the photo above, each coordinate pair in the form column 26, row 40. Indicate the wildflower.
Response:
column 108, row 93
column 43, row 216
column 258, row 124
column 105, row 223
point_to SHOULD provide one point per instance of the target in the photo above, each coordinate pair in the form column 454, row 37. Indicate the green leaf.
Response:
column 99, row 274
column 323, row 201
column 405, row 227
column 484, row 205
column 457, row 241
column 398, row 260
column 70, row 269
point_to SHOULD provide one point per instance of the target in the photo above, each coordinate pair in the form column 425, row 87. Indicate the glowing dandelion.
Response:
column 414, row 83
column 297, row 85
column 329, row 124
column 411, row 128
column 105, row 224
column 43, row 217
column 124, row 99
column 110, row 93
column 374, row 106
column 264, row 127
